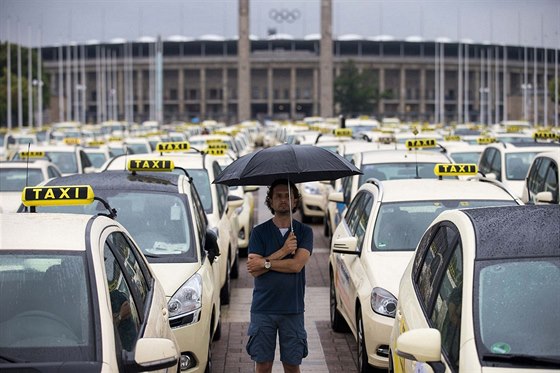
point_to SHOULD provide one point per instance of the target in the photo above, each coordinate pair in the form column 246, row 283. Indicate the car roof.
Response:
column 524, row 147
column 516, row 231
column 123, row 180
column 401, row 156
column 50, row 231
column 446, row 189
column 552, row 154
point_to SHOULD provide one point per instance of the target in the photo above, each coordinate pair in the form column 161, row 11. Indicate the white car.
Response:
column 543, row 179
column 16, row 175
column 164, row 215
column 77, row 293
column 480, row 294
column 509, row 163
column 375, row 241
column 70, row 159
column 217, row 203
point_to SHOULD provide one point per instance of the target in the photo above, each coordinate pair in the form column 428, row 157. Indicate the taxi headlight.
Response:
column 311, row 189
column 187, row 299
column 383, row 302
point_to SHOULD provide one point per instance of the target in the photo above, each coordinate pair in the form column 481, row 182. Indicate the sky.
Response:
column 56, row 22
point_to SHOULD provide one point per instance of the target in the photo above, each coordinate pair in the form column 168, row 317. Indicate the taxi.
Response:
column 77, row 294
column 164, row 215
column 69, row 157
column 16, row 175
column 376, row 239
column 481, row 294
column 543, row 179
column 216, row 201
column 509, row 163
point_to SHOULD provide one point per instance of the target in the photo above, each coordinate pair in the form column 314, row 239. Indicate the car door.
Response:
column 437, row 278
column 138, row 303
column 350, row 268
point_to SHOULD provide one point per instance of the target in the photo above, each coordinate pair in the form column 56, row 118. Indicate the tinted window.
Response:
column 15, row 179
column 432, row 264
column 125, row 313
column 362, row 222
column 202, row 182
column 446, row 314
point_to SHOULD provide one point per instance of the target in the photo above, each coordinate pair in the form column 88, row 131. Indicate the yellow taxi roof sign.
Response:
column 420, row 143
column 342, row 132
column 31, row 154
column 214, row 141
column 452, row 138
column 485, row 140
column 455, row 169
column 72, row 141
column 163, row 165
column 218, row 145
column 545, row 135
column 215, row 151
column 172, row 146
column 57, row 196
column 95, row 143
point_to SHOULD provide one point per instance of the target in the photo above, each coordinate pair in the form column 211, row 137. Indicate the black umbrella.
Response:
column 297, row 163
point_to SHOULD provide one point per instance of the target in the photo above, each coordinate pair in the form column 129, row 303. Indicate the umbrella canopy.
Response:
column 297, row 163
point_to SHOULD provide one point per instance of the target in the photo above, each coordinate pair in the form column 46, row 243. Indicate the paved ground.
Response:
column 328, row 351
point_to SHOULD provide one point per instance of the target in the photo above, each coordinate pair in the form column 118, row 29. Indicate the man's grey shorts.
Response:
column 262, row 338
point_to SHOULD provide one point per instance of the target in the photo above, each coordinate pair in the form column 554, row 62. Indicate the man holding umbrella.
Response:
column 278, row 251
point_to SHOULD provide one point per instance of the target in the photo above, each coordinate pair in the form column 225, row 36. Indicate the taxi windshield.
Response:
column 44, row 300
column 396, row 171
column 15, row 179
column 66, row 161
column 517, row 164
column 158, row 222
column 516, row 306
column 97, row 158
column 400, row 225
column 465, row 157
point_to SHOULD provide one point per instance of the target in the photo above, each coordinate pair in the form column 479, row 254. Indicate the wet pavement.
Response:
column 328, row 351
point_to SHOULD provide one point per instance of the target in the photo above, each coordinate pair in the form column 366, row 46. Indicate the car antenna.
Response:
column 27, row 165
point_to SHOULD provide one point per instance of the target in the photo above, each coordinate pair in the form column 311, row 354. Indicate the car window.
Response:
column 200, row 219
column 446, row 314
column 517, row 164
column 353, row 213
column 347, row 189
column 139, row 285
column 432, row 263
column 496, row 165
column 53, row 172
column 535, row 177
column 66, row 161
column 15, row 179
column 551, row 181
column 362, row 222
column 125, row 313
column 221, row 189
column 201, row 181
column 486, row 160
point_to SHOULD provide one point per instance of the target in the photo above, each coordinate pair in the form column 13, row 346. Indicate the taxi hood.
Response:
column 173, row 275
column 385, row 268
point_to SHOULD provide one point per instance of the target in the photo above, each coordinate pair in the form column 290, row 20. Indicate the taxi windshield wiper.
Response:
column 552, row 361
column 147, row 255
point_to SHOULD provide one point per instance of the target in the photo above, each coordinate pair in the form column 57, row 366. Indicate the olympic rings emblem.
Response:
column 284, row 15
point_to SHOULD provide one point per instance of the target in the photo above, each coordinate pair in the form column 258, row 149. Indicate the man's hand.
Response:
column 290, row 246
column 255, row 265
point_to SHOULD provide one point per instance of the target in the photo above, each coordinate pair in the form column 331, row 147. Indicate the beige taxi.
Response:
column 375, row 241
column 77, row 294
column 480, row 294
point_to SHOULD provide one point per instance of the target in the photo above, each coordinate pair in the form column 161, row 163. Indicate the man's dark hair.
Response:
column 295, row 193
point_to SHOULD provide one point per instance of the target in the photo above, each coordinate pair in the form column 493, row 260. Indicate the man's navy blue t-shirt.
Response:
column 275, row 292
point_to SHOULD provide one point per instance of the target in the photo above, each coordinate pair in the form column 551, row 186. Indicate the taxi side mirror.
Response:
column 544, row 197
column 422, row 345
column 152, row 354
column 345, row 245
column 211, row 245
column 491, row 176
column 234, row 202
column 336, row 197
column 250, row 188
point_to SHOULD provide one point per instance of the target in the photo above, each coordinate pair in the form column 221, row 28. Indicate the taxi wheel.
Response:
column 363, row 366
column 226, row 289
column 326, row 228
column 338, row 324
column 218, row 332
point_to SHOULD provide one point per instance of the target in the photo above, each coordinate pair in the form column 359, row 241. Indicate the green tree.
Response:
column 356, row 92
column 14, row 84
